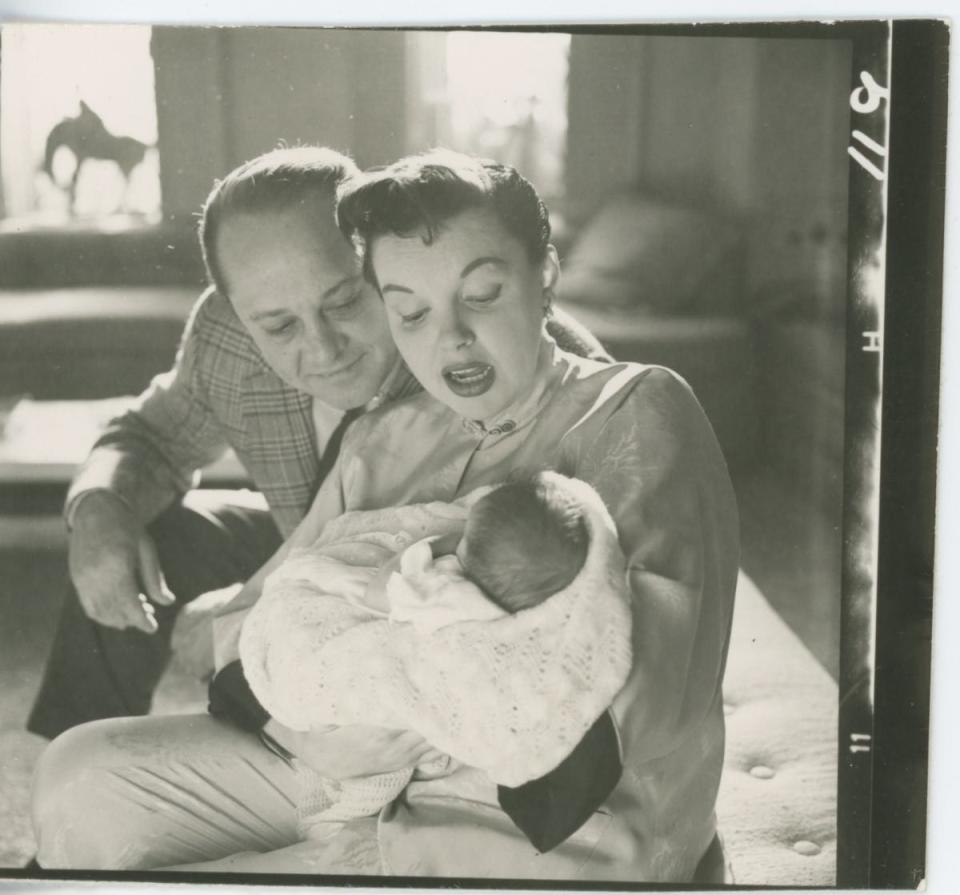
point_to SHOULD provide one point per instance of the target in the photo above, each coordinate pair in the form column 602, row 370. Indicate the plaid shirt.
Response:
column 220, row 393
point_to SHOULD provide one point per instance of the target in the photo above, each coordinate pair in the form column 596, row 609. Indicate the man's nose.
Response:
column 324, row 342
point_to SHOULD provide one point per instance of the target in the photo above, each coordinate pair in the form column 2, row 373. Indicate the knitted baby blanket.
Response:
column 511, row 695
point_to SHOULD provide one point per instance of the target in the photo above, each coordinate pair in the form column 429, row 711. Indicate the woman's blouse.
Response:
column 639, row 437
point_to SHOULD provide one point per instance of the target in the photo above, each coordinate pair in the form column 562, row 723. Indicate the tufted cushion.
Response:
column 777, row 805
column 656, row 256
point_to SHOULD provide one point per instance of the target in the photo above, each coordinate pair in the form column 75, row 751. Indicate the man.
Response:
column 289, row 344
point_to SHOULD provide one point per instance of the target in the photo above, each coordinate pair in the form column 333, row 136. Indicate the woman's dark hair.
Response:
column 421, row 193
column 274, row 181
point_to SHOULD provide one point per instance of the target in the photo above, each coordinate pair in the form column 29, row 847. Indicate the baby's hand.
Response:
column 445, row 545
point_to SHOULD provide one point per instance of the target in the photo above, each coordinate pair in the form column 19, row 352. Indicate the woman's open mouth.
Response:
column 469, row 380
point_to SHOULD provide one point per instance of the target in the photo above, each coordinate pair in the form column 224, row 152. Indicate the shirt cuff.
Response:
column 74, row 501
column 550, row 809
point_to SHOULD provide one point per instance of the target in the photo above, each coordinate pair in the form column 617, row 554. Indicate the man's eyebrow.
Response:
column 263, row 315
column 340, row 285
column 477, row 262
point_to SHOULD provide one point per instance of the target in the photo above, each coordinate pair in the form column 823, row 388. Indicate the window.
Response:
column 494, row 94
column 87, row 91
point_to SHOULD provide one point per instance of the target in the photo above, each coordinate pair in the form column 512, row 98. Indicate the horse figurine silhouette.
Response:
column 86, row 136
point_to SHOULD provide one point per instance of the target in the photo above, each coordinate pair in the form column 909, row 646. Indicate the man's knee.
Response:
column 183, row 524
column 209, row 540
column 212, row 515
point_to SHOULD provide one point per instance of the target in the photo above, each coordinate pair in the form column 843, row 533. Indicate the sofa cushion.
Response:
column 94, row 342
column 83, row 252
column 657, row 256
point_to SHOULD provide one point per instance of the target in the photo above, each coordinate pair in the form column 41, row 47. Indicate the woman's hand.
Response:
column 192, row 639
column 357, row 750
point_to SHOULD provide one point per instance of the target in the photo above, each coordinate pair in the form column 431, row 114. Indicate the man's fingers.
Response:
column 151, row 577
column 131, row 607
column 147, row 616
column 139, row 613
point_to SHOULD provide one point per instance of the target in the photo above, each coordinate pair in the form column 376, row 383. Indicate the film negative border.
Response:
column 866, row 265
column 911, row 360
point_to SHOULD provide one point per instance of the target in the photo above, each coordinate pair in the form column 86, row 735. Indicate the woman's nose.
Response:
column 458, row 333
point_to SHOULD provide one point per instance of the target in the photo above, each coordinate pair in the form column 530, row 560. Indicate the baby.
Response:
column 517, row 546
column 522, row 542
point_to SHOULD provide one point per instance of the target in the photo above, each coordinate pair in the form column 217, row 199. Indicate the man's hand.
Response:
column 357, row 750
column 114, row 565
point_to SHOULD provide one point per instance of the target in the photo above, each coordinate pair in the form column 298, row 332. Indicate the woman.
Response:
column 460, row 252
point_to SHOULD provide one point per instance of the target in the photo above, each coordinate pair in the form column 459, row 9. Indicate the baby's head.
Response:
column 524, row 542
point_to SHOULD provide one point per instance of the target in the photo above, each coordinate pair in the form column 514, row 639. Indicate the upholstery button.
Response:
column 761, row 772
column 806, row 847
column 727, row 708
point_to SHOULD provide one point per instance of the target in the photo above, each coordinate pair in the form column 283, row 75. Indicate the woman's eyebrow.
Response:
column 472, row 266
column 477, row 262
column 394, row 287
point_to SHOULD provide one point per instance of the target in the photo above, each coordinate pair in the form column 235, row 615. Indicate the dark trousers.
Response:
column 208, row 540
